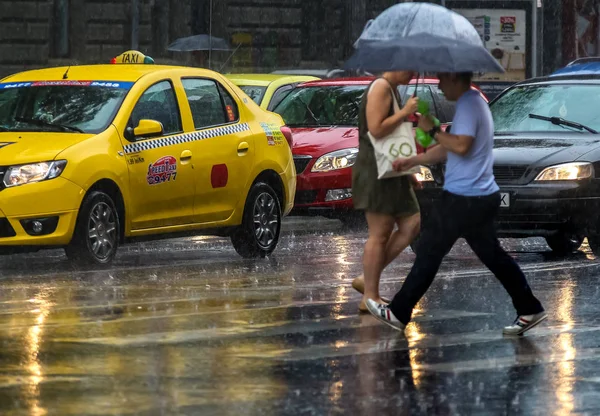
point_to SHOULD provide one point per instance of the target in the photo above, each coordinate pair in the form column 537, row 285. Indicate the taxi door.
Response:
column 160, row 168
column 225, row 149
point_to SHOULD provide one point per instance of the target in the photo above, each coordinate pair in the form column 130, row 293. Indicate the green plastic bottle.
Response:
column 424, row 139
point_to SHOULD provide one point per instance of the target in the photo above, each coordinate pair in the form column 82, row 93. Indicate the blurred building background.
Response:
column 268, row 34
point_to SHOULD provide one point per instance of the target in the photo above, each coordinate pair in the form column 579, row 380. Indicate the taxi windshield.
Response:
column 83, row 108
column 336, row 105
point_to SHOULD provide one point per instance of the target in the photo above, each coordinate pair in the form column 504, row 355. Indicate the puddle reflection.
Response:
column 566, row 348
column 33, row 344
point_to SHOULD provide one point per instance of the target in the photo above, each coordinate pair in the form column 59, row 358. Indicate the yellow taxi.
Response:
column 268, row 90
column 95, row 156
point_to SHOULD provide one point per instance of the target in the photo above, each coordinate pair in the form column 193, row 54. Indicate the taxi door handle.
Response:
column 186, row 155
column 243, row 148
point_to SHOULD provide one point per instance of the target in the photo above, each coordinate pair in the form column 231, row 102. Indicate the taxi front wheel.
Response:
column 259, row 233
column 96, row 235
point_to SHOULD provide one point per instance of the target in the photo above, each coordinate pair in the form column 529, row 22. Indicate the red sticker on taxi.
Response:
column 163, row 170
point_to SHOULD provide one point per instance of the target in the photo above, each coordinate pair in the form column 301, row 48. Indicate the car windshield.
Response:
column 322, row 106
column 255, row 92
column 574, row 103
column 87, row 107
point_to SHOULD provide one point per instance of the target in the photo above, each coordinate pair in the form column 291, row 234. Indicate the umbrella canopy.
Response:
column 199, row 43
column 421, row 37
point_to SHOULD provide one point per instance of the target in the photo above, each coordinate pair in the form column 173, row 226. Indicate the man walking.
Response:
column 468, row 207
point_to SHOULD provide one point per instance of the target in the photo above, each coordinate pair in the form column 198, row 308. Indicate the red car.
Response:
column 323, row 116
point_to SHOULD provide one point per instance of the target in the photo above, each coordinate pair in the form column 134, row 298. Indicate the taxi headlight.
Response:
column 425, row 175
column 567, row 172
column 33, row 172
column 339, row 159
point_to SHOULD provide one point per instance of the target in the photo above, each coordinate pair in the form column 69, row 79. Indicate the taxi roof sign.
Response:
column 132, row 57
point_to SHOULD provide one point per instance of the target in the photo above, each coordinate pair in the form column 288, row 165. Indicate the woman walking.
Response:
column 386, row 202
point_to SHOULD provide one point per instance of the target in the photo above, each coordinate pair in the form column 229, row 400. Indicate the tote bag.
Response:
column 398, row 144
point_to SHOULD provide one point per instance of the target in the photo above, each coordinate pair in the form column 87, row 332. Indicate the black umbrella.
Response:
column 199, row 43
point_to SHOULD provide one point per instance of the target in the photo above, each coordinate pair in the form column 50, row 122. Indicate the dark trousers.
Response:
column 472, row 218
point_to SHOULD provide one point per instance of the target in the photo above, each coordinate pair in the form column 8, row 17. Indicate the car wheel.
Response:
column 563, row 243
column 96, row 237
column 259, row 233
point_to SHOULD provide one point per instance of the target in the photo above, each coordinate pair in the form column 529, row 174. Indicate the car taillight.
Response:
column 287, row 132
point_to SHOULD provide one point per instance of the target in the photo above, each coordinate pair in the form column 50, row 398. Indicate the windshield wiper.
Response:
column 309, row 110
column 562, row 122
column 48, row 124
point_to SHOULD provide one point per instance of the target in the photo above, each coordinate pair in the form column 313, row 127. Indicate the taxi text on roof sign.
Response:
column 132, row 57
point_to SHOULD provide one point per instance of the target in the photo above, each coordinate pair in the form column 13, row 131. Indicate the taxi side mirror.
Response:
column 145, row 128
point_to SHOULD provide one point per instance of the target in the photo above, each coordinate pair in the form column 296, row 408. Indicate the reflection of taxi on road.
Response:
column 94, row 156
column 268, row 90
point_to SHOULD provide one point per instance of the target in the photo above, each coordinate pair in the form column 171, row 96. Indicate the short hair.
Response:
column 465, row 77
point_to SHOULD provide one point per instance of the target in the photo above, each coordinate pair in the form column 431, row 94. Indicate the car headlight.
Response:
column 567, row 172
column 33, row 172
column 339, row 159
column 425, row 175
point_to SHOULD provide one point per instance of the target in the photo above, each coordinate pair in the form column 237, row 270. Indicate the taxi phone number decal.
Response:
column 67, row 83
column 163, row 170
column 274, row 134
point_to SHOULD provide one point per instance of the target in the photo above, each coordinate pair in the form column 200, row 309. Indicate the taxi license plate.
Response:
column 504, row 199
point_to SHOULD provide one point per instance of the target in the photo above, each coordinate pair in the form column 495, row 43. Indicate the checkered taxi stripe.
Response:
column 185, row 138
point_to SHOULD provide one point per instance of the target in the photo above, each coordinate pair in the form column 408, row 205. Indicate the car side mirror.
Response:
column 145, row 128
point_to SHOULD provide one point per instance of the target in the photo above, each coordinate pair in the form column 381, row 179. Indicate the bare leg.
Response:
column 408, row 229
column 380, row 230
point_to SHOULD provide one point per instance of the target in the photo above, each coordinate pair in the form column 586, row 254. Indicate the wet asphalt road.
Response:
column 186, row 327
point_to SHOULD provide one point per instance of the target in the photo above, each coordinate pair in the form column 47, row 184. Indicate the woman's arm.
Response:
column 378, row 108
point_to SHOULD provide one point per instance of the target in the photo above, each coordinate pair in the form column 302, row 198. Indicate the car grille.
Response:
column 502, row 174
column 6, row 229
column 305, row 197
column 2, row 171
column 301, row 162
column 508, row 174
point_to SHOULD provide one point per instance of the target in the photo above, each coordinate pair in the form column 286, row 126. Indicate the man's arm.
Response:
column 459, row 144
column 456, row 143
column 435, row 155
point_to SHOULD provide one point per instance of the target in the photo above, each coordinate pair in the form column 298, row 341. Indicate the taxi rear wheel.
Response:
column 96, row 235
column 259, row 233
